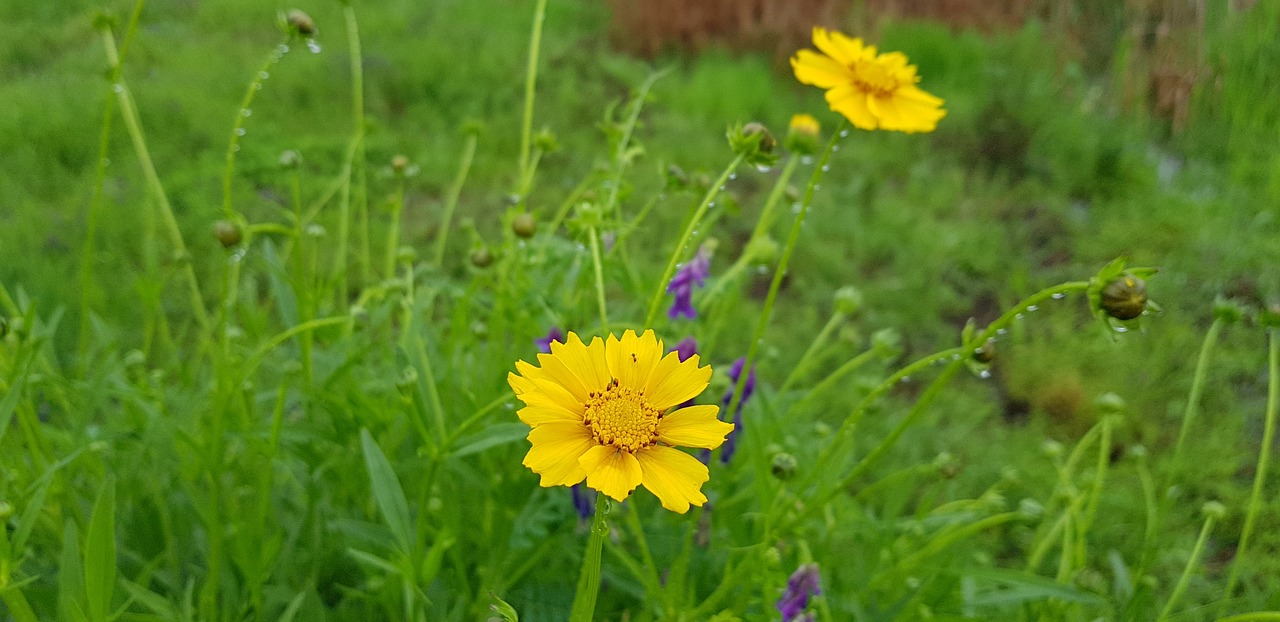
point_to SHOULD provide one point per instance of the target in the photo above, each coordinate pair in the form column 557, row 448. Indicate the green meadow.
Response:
column 265, row 278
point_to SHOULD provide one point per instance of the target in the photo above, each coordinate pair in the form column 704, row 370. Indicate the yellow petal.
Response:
column 673, row 476
column 694, row 426
column 632, row 358
column 614, row 472
column 836, row 45
column 673, row 382
column 557, row 446
column 534, row 416
column 587, row 362
column 886, row 111
column 546, row 389
column 818, row 70
column 554, row 369
column 519, row 384
column 915, row 93
column 852, row 103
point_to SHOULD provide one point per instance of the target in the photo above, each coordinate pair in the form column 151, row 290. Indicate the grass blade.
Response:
column 100, row 555
column 387, row 492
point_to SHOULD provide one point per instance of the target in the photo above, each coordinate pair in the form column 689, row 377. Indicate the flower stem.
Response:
column 781, row 271
column 803, row 364
column 1197, row 388
column 1264, row 458
column 393, row 231
column 599, row 266
column 689, row 229
column 1192, row 562
column 129, row 113
column 531, row 79
column 584, row 602
column 359, row 188
column 451, row 199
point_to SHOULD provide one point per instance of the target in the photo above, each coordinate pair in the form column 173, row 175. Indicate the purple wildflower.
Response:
column 583, row 501
column 749, row 387
column 690, row 274
column 686, row 348
column 802, row 586
column 544, row 344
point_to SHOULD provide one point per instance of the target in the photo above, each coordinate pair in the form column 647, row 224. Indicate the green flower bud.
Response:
column 986, row 352
column 546, row 141
column 1051, row 448
column 887, row 343
column 1110, row 403
column 802, row 134
column 1227, row 310
column 848, row 300
column 784, row 466
column 290, row 159
column 481, row 257
column 767, row 142
column 762, row 250
column 300, row 23
column 399, row 164
column 947, row 464
column 227, row 232
column 1213, row 510
column 1125, row 297
column 754, row 143
column 524, row 225
column 406, row 255
column 1269, row 317
column 676, row 178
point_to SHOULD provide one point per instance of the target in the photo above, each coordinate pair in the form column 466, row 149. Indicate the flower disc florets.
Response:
column 619, row 416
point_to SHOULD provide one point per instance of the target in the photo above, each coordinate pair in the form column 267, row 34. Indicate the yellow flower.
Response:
column 874, row 91
column 805, row 124
column 599, row 413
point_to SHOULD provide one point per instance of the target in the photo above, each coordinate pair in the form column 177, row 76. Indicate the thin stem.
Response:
column 237, row 126
column 834, row 377
column 1264, row 458
column 584, row 602
column 781, row 270
column 1192, row 562
column 620, row 159
column 530, row 81
column 393, row 231
column 451, row 198
column 1197, row 388
column 807, row 358
column 129, row 113
column 359, row 188
column 599, row 266
column 689, row 229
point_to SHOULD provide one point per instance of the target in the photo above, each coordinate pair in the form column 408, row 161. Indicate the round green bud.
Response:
column 1269, row 316
column 886, row 342
column 1227, row 310
column 481, row 257
column 848, row 300
column 301, row 23
column 524, row 225
column 545, row 141
column 1125, row 298
column 767, row 141
column 6, row 511
column 1138, row 451
column 985, row 353
column 227, row 232
column 783, row 466
column 1110, row 403
column 1213, row 510
column 1051, row 448
column 399, row 164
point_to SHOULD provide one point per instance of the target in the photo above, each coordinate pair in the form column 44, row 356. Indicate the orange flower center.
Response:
column 620, row 416
column 872, row 77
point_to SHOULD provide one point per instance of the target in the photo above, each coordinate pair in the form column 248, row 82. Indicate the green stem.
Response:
column 237, row 127
column 834, row 377
column 1264, row 458
column 393, row 231
column 689, row 229
column 599, row 269
column 820, row 340
column 780, row 271
column 1192, row 562
column 360, row 187
column 938, row 544
column 1197, row 388
column 1255, row 616
column 620, row 159
column 584, row 601
column 530, row 81
column 129, row 113
column 451, row 199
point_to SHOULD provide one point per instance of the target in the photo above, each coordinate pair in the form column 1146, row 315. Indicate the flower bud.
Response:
column 227, row 232
column 767, row 142
column 1227, row 310
column 1213, row 510
column 1269, row 317
column 986, row 352
column 676, row 178
column 406, row 255
column 1051, row 448
column 524, row 225
column 1110, row 403
column 887, row 343
column 545, row 141
column 802, row 134
column 783, row 466
column 762, row 250
column 1125, row 298
column 481, row 257
column 754, row 143
column 301, row 23
column 399, row 164
column 848, row 300
column 6, row 511
column 947, row 464
column 290, row 159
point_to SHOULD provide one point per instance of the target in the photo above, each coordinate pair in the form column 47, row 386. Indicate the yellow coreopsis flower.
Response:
column 599, row 412
column 874, row 91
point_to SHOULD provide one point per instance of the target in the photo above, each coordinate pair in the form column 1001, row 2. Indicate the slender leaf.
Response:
column 387, row 492
column 492, row 436
column 100, row 555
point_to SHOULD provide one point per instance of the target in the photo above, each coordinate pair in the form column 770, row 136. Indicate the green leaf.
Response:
column 1018, row 587
column 71, row 577
column 10, row 401
column 505, row 611
column 295, row 605
column 158, row 604
column 387, row 492
column 492, row 436
column 100, row 555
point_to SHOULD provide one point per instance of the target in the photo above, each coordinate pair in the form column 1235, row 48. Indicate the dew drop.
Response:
column 240, row 131
column 835, row 148
column 795, row 208
column 1018, row 316
column 1033, row 308
column 844, row 133
column 1120, row 329
column 117, row 87
column 246, row 112
column 312, row 46
column 257, row 86
column 732, row 176
column 905, row 379
column 236, row 148
column 282, row 48
column 262, row 75
column 763, row 168
column 1002, row 331
column 954, row 357
column 826, row 167
column 1059, row 296
column 806, row 160
column 984, row 374
column 762, row 270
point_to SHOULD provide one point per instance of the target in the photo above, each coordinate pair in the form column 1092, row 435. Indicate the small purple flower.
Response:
column 803, row 585
column 689, row 275
column 749, row 387
column 686, row 348
column 544, row 344
column 583, row 501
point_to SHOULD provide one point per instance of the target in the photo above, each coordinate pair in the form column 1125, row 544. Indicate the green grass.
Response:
column 154, row 470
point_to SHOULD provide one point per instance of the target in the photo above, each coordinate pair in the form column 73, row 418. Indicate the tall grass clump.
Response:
column 368, row 380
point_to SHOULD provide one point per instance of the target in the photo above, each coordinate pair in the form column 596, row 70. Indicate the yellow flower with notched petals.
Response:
column 874, row 91
column 599, row 412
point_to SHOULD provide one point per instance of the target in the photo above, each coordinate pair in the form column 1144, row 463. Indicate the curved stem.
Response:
column 237, row 126
column 359, row 189
column 802, row 365
column 1264, row 457
column 1192, row 562
column 599, row 269
column 656, row 301
column 531, row 79
column 1193, row 398
column 451, row 199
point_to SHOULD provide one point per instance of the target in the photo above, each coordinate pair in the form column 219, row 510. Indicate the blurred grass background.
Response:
column 1077, row 131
